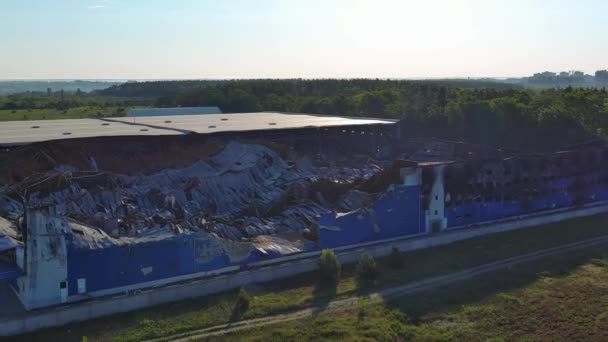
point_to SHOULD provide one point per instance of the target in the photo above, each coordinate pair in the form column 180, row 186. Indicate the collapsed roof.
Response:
column 129, row 180
column 229, row 194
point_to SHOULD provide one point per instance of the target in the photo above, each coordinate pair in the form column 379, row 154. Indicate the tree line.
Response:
column 478, row 111
column 471, row 110
column 62, row 101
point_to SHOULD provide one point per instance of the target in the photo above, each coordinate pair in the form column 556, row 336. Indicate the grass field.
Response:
column 301, row 291
column 561, row 298
column 72, row 113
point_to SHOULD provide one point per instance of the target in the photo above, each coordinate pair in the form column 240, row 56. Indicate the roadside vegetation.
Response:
column 560, row 298
column 367, row 270
column 329, row 269
column 305, row 290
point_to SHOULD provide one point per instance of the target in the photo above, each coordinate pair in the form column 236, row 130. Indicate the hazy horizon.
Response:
column 188, row 39
column 237, row 78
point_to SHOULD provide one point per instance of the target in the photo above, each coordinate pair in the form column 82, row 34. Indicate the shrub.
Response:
column 367, row 268
column 395, row 260
column 329, row 268
column 362, row 309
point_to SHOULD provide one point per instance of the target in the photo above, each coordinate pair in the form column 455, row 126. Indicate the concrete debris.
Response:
column 9, row 207
column 245, row 192
column 9, row 237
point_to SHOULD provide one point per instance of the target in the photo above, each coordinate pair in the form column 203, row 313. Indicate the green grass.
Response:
column 561, row 298
column 72, row 113
column 300, row 291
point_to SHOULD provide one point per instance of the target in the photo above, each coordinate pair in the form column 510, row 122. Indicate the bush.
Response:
column 395, row 260
column 367, row 268
column 329, row 268
column 362, row 309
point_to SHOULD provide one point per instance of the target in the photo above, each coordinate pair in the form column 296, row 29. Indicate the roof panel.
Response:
column 21, row 132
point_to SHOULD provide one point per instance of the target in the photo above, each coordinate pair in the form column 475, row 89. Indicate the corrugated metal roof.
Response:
column 23, row 132
column 173, row 111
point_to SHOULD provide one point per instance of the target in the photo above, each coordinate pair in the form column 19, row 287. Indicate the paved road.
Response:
column 346, row 304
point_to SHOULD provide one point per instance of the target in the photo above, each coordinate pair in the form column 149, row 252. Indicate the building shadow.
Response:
column 322, row 295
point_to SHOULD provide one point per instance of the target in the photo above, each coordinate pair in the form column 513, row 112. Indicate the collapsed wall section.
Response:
column 478, row 191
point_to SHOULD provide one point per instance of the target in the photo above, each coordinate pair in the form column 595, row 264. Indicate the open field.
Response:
column 559, row 298
column 300, row 292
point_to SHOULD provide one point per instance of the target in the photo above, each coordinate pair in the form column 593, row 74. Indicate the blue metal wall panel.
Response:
column 116, row 266
column 561, row 195
column 395, row 214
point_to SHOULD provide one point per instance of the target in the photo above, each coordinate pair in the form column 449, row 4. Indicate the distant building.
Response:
column 601, row 76
column 173, row 111
column 563, row 78
column 544, row 77
column 578, row 74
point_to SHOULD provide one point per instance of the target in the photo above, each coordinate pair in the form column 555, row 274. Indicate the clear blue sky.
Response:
column 134, row 39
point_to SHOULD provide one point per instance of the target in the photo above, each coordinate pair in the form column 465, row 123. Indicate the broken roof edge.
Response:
column 91, row 237
column 388, row 121
column 177, row 135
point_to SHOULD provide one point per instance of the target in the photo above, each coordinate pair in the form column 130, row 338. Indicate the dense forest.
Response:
column 476, row 111
column 59, row 101
column 65, row 105
column 471, row 110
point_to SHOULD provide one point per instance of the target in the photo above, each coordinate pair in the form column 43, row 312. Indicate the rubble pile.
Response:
column 242, row 192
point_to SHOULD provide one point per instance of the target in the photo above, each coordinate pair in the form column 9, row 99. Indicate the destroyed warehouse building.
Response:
column 92, row 207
